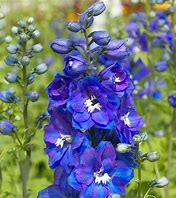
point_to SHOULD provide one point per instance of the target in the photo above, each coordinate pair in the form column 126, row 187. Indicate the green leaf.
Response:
column 5, row 150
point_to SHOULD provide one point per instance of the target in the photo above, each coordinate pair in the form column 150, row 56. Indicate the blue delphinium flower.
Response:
column 60, row 187
column 98, row 175
column 115, row 78
column 63, row 143
column 91, row 105
column 58, row 89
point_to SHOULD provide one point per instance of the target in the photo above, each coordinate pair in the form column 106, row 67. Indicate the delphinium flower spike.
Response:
column 91, row 110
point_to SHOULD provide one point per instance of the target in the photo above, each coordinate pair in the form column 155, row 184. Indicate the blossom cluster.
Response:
column 91, row 110
column 151, row 45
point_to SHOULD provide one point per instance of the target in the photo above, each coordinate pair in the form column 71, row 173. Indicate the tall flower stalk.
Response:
column 91, row 112
column 19, row 57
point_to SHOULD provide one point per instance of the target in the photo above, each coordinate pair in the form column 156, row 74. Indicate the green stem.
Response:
column 93, row 138
column 170, row 153
column 139, row 171
column 145, row 196
column 156, row 169
column 87, row 47
column 24, row 164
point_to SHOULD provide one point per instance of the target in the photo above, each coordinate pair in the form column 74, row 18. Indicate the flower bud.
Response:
column 37, row 48
column 14, row 30
column 1, row 16
column 21, row 23
column 165, row 28
column 161, row 22
column 100, row 37
column 74, row 26
column 12, row 49
column 137, row 139
column 74, row 65
column 161, row 66
column 159, row 182
column 36, row 34
column 129, row 42
column 25, row 60
column 116, row 49
column 144, row 136
column 152, row 156
column 8, row 39
column 172, row 100
column 123, row 148
column 166, row 57
column 62, row 46
column 11, row 60
column 96, row 8
column 89, row 22
column 31, row 28
column 24, row 37
column 30, row 78
column 114, row 196
column 6, row 127
column 30, row 20
column 33, row 96
column 40, row 69
column 8, row 97
column 11, row 77
column 152, row 14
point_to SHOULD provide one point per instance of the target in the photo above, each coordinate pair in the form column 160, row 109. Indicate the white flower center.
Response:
column 116, row 79
column 64, row 138
column 126, row 119
column 101, row 177
column 92, row 104
column 70, row 63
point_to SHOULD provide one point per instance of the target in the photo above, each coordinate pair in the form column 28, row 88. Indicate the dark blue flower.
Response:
column 116, row 78
column 60, row 188
column 58, row 89
column 99, row 174
column 139, row 70
column 63, row 142
column 90, row 105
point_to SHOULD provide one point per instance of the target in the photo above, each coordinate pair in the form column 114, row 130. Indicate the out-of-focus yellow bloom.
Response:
column 128, row 8
column 163, row 6
column 72, row 17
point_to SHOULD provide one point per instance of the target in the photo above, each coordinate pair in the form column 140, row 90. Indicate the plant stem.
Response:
column 24, row 164
column 139, row 171
column 145, row 196
column 170, row 153
column 93, row 138
column 87, row 47
column 156, row 169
